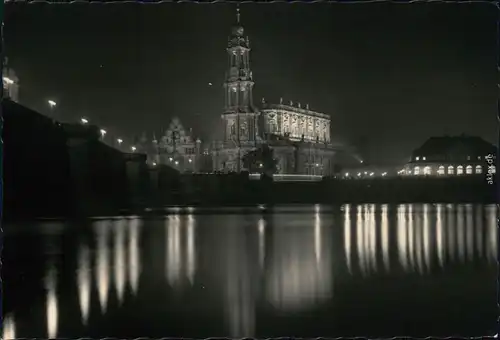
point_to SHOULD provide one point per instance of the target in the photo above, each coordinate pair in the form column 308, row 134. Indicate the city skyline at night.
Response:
column 133, row 68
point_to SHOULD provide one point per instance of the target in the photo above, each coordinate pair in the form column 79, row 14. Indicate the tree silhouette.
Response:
column 260, row 160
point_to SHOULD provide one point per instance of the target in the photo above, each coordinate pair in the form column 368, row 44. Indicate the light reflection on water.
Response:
column 289, row 263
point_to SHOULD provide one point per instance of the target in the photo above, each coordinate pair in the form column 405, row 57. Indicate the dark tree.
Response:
column 260, row 160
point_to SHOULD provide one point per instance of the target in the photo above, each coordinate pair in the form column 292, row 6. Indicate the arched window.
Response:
column 427, row 170
column 416, row 170
column 460, row 170
column 441, row 170
column 468, row 169
column 451, row 171
column 479, row 169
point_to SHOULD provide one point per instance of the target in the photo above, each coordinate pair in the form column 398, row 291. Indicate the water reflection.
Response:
column 282, row 261
column 417, row 244
column 134, row 264
column 9, row 327
column 119, row 258
column 102, row 239
column 300, row 265
column 180, row 249
column 84, row 280
column 52, row 311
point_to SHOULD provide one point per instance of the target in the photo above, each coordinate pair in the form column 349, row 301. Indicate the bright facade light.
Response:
column 103, row 132
column 119, row 141
column 52, row 103
column 346, row 174
column 176, row 162
column 154, row 163
column 190, row 160
column 8, row 80
column 133, row 148
column 84, row 121
column 371, row 174
column 170, row 159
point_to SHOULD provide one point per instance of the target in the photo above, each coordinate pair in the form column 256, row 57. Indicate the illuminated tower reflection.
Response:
column 180, row 256
column 119, row 258
column 134, row 265
column 424, row 231
column 9, row 327
column 300, row 269
column 51, row 303
column 103, row 266
column 84, row 281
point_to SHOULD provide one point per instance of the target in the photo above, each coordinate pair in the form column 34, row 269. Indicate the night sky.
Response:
column 390, row 75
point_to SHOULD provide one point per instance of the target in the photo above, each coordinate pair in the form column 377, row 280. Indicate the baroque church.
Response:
column 299, row 137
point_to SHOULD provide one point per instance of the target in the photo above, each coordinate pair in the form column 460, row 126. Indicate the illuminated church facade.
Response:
column 298, row 136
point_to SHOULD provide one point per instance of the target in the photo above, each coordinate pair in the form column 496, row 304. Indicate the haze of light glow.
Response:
column 174, row 256
column 261, row 226
column 84, row 282
column 103, row 266
column 347, row 237
column 119, row 258
column 9, row 327
column 190, row 249
column 51, row 306
column 134, row 264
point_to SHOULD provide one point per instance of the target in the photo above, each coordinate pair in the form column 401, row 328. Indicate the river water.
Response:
column 303, row 271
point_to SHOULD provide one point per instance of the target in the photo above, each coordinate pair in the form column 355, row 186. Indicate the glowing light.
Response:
column 347, row 237
column 8, row 80
column 103, row 132
column 174, row 261
column 52, row 103
column 176, row 162
column 170, row 159
column 385, row 237
column 262, row 245
column 84, row 282
column 119, row 257
column 191, row 251
column 84, row 121
column 119, row 141
column 133, row 254
column 133, row 148
column 190, row 160
column 9, row 328
column 102, row 234
column 154, row 163
column 51, row 307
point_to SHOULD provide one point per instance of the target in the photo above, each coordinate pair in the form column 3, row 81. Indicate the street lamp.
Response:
column 52, row 104
column 8, row 81
column 84, row 121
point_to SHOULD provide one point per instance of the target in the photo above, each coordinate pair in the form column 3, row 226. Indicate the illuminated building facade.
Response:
column 452, row 156
column 299, row 137
column 176, row 148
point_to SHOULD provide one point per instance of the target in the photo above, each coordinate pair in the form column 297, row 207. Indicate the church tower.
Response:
column 240, row 116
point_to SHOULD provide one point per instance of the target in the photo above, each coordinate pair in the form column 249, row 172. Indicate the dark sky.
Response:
column 390, row 75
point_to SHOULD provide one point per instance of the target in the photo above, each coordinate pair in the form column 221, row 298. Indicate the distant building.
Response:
column 299, row 136
column 10, row 83
column 452, row 156
column 176, row 148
